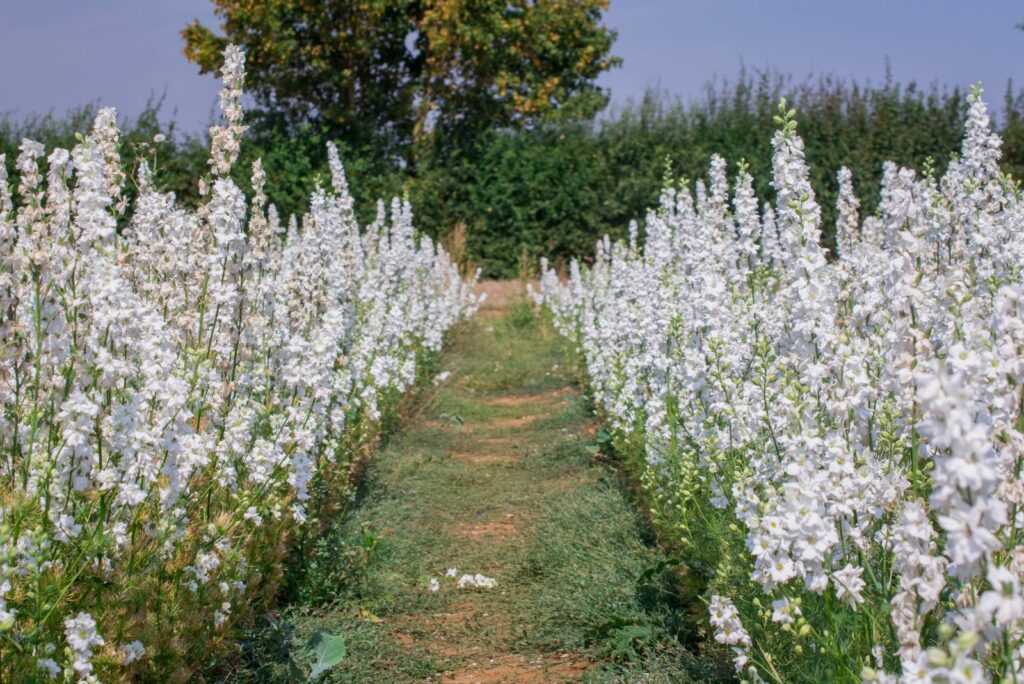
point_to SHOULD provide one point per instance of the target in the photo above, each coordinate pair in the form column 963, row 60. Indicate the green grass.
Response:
column 576, row 568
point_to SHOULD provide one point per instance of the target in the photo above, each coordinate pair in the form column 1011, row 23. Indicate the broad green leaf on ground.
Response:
column 329, row 650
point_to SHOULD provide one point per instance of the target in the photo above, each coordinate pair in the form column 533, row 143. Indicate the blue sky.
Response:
column 60, row 53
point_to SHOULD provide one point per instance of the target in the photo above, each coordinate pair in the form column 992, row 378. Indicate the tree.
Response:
column 343, row 63
column 391, row 72
column 498, row 63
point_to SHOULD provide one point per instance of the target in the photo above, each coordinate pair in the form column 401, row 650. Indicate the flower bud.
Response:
column 936, row 657
column 966, row 641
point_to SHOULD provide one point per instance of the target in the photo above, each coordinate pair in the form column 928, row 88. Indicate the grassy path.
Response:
column 496, row 473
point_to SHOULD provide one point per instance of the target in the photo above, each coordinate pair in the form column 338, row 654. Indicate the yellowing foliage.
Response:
column 392, row 71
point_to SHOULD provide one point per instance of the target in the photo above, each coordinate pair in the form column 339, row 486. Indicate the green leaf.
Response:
column 658, row 568
column 454, row 420
column 369, row 541
column 631, row 640
column 329, row 650
column 294, row 673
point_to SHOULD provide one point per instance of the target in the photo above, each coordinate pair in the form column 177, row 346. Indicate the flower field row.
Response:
column 835, row 445
column 174, row 384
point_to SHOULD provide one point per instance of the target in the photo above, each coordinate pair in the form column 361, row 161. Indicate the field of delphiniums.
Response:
column 174, row 384
column 834, row 445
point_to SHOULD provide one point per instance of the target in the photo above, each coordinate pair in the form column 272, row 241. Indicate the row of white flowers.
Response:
column 836, row 443
column 172, row 382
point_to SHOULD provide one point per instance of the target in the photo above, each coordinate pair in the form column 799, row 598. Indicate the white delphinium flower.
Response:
column 784, row 611
column 205, row 564
column 849, row 585
column 748, row 224
column 28, row 152
column 105, row 135
column 729, row 630
column 6, row 203
column 33, row 228
column 922, row 578
column 1003, row 604
column 221, row 615
column 49, row 666
column 225, row 141
column 94, row 224
column 66, row 528
column 966, row 473
column 132, row 651
column 252, row 515
column 476, row 581
column 848, row 221
column 82, row 638
column 58, row 198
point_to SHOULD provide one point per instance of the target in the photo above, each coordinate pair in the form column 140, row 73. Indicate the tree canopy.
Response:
column 389, row 72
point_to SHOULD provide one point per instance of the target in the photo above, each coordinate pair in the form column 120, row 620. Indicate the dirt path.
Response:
column 497, row 473
column 495, row 427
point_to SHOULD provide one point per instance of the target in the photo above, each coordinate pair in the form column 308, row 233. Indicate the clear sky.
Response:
column 60, row 53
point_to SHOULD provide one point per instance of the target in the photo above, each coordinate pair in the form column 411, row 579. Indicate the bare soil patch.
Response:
column 547, row 398
column 477, row 458
column 499, row 443
column 488, row 530
column 518, row 668
column 507, row 423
